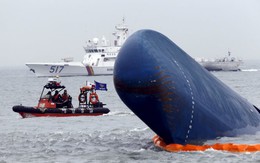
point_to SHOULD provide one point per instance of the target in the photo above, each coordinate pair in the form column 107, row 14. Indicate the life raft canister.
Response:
column 93, row 98
column 82, row 98
column 85, row 88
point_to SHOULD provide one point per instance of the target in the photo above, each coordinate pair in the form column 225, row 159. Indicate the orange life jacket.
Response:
column 65, row 97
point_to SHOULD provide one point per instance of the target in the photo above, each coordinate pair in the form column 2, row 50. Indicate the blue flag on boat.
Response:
column 100, row 86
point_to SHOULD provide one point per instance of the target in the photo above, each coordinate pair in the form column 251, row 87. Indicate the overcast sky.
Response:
column 48, row 30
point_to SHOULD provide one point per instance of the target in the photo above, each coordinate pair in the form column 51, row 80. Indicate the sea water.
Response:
column 119, row 136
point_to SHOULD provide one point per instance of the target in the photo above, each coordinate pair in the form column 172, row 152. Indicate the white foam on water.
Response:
column 250, row 70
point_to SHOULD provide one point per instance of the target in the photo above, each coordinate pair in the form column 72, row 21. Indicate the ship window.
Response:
column 103, row 55
column 97, row 62
column 103, row 50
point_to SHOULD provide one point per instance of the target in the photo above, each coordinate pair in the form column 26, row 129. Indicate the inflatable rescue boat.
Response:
column 56, row 105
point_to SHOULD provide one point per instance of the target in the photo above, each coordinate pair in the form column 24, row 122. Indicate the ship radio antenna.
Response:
column 229, row 53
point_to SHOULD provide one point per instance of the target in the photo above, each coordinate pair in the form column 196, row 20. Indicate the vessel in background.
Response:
column 101, row 55
column 99, row 58
column 227, row 63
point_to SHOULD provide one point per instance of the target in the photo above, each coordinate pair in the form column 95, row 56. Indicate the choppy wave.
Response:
column 119, row 136
column 115, row 145
column 119, row 113
column 139, row 129
column 250, row 70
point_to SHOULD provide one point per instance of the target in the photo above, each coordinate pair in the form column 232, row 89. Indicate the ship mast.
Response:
column 120, row 33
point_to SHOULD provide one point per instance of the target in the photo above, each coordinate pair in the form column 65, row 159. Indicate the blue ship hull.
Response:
column 176, row 97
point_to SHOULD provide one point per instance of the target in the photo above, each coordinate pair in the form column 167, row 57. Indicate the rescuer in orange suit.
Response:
column 66, row 99
column 56, row 97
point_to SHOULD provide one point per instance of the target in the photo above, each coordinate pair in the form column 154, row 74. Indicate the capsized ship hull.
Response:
column 176, row 97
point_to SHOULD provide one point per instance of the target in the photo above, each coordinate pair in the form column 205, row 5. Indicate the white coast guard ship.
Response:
column 99, row 58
